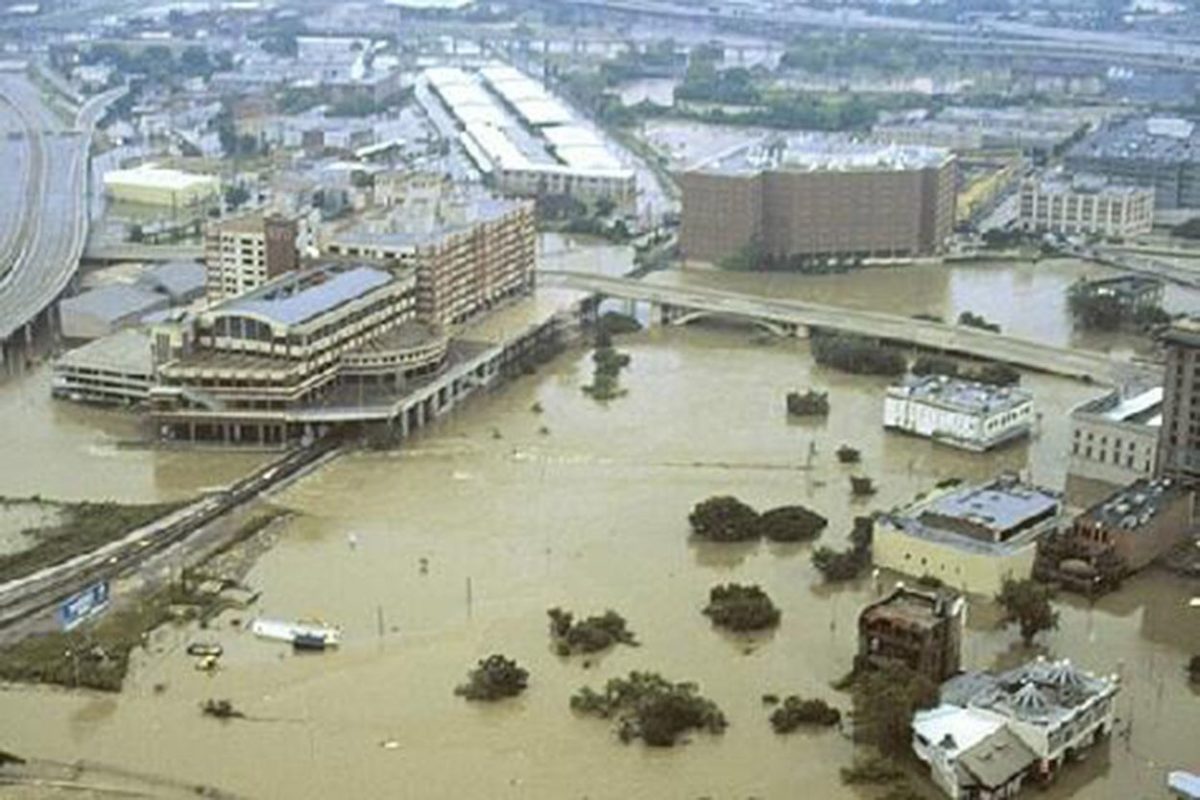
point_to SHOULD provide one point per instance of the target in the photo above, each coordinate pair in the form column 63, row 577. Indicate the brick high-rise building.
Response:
column 1179, row 445
column 470, row 250
column 818, row 197
column 244, row 252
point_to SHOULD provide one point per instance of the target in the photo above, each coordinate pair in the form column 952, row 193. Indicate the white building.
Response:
column 526, row 142
column 993, row 733
column 151, row 185
column 1085, row 205
column 961, row 413
column 1114, row 439
column 972, row 538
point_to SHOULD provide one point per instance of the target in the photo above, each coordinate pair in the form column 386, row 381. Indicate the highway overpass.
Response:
column 44, row 224
column 684, row 304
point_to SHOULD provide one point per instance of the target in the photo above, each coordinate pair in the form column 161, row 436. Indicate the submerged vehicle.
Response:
column 301, row 635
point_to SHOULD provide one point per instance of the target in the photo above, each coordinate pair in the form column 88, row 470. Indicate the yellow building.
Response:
column 971, row 538
column 155, row 186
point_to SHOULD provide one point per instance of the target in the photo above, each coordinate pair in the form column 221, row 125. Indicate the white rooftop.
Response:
column 149, row 175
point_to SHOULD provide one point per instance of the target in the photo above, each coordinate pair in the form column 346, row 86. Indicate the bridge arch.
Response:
column 686, row 317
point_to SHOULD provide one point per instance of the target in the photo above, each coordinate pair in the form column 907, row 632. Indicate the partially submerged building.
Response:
column 819, row 196
column 1114, row 438
column 1123, row 533
column 106, row 309
column 994, row 733
column 468, row 251
column 969, row 537
column 961, row 413
column 1179, row 443
column 920, row 629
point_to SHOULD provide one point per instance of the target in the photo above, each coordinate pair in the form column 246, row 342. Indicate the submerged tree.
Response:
column 884, row 703
column 494, row 678
column 724, row 519
column 797, row 711
column 791, row 524
column 589, row 635
column 647, row 706
column 1027, row 603
column 741, row 608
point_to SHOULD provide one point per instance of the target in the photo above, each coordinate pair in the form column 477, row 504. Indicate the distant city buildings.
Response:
column 815, row 196
column 1179, row 445
column 1034, row 131
column 961, row 413
column 468, row 249
column 969, row 537
column 243, row 252
column 996, row 732
column 922, row 630
column 1114, row 439
column 1160, row 153
column 156, row 186
column 1085, row 205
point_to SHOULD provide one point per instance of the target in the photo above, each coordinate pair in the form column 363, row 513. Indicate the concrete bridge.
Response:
column 676, row 305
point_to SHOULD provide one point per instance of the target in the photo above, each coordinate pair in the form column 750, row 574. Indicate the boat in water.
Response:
column 301, row 635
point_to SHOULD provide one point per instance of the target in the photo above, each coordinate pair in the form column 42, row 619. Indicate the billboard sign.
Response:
column 84, row 605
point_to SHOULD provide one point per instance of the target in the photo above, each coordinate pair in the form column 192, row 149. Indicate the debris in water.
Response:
column 221, row 709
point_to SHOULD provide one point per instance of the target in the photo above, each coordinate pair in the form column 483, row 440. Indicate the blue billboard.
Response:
column 79, row 607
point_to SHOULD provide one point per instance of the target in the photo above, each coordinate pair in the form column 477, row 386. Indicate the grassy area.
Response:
column 83, row 528
column 96, row 655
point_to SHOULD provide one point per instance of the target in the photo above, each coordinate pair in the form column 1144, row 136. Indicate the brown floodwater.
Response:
column 67, row 451
column 591, row 516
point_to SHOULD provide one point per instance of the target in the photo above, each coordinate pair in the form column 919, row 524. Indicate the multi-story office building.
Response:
column 1114, row 439
column 469, row 251
column 244, row 252
column 1160, row 153
column 1179, row 445
column 992, row 733
column 961, row 413
column 921, row 630
column 972, row 537
column 819, row 196
column 1085, row 205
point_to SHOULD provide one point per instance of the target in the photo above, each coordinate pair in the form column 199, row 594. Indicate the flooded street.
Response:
column 591, row 516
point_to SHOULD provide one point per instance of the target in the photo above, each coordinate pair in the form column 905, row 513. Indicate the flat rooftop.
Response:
column 1140, row 409
column 1164, row 139
column 126, row 351
column 1135, row 505
column 824, row 153
column 986, row 518
column 151, row 176
column 1184, row 332
column 964, row 396
column 419, row 223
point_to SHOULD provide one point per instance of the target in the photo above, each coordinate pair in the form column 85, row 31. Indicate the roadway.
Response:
column 1084, row 365
column 47, row 223
column 1170, row 271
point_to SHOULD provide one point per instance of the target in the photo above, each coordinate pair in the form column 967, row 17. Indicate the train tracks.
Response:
column 43, row 591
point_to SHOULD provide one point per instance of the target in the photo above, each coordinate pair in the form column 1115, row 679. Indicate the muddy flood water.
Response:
column 592, row 515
